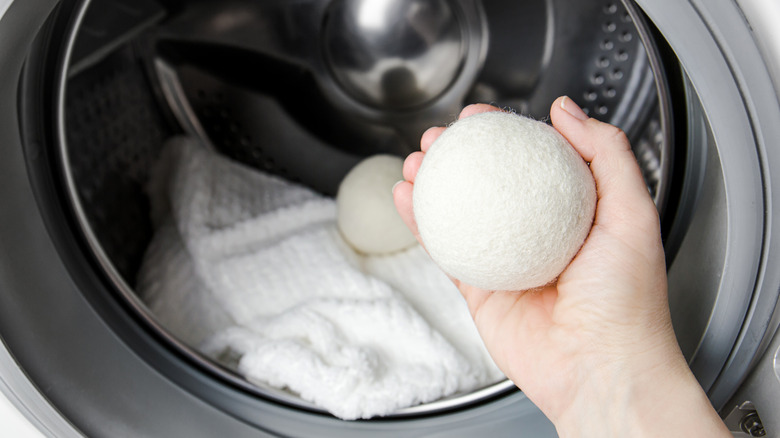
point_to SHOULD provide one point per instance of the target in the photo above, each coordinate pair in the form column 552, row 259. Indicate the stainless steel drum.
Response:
column 306, row 89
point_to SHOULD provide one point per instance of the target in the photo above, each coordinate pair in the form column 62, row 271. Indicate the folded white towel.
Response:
column 248, row 264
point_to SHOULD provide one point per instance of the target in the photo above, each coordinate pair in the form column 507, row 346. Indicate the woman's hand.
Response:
column 595, row 351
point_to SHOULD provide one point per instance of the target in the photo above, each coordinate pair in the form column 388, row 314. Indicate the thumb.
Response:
column 623, row 199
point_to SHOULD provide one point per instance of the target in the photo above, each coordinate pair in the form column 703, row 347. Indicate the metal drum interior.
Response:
column 304, row 90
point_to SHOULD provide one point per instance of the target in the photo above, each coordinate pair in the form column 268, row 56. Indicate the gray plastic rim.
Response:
column 714, row 44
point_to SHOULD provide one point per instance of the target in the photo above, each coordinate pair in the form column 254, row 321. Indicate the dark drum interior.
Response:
column 305, row 89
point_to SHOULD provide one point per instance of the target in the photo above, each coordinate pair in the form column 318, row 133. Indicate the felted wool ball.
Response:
column 366, row 216
column 503, row 202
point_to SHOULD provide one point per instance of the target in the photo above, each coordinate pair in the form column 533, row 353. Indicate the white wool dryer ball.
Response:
column 503, row 202
column 367, row 216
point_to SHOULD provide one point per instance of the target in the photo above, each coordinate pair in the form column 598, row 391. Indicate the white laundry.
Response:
column 243, row 263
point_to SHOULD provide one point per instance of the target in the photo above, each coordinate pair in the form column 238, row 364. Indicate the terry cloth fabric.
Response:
column 244, row 264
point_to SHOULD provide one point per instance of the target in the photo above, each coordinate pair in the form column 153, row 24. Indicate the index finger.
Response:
column 429, row 137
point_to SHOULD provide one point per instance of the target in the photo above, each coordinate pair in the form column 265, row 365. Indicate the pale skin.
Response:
column 595, row 351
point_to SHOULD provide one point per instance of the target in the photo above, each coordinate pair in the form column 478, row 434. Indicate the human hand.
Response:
column 595, row 350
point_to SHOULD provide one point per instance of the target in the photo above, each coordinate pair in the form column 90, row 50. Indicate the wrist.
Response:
column 632, row 398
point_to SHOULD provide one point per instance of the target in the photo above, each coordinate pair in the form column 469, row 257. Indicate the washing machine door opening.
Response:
column 301, row 91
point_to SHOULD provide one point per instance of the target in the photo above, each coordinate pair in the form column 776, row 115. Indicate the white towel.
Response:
column 244, row 263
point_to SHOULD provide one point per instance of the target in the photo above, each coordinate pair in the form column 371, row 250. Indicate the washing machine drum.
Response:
column 92, row 91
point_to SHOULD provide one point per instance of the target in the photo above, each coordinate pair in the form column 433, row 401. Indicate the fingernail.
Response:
column 572, row 108
column 396, row 185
